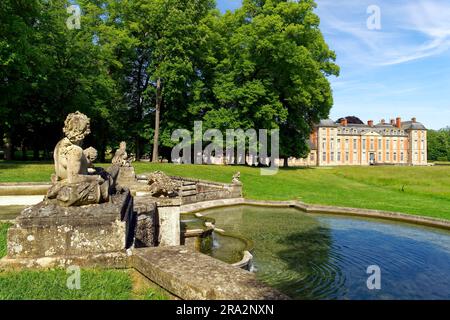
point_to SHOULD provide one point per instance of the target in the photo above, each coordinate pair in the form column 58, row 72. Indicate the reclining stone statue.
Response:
column 73, row 185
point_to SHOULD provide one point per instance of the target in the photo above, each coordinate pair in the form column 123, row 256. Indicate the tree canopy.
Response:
column 439, row 144
column 142, row 68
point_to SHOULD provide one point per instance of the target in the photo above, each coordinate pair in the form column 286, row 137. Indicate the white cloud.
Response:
column 411, row 30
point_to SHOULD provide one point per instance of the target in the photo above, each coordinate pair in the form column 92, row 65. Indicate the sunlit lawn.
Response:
column 415, row 190
column 52, row 284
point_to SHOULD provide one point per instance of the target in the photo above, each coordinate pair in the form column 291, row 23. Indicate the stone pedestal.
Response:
column 147, row 228
column 126, row 176
column 48, row 235
column 169, row 221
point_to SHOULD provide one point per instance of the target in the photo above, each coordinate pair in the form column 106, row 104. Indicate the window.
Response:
column 372, row 145
column 312, row 157
column 395, row 156
column 324, row 156
column 346, row 156
column 379, row 144
column 355, row 157
column 387, row 144
column 402, row 156
column 339, row 156
column 423, row 144
column 387, row 156
column 364, row 144
column 423, row 156
column 346, row 143
column 379, row 157
column 332, row 144
column 416, row 157
column 324, row 143
column 332, row 156
column 354, row 144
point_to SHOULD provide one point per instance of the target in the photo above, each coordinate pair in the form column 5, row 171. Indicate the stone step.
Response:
column 192, row 187
column 191, row 275
column 188, row 193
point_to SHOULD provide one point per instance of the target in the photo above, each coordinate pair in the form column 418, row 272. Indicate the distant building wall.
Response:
column 395, row 143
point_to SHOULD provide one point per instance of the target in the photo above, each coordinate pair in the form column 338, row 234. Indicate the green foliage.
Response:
column 439, row 145
column 263, row 66
column 52, row 285
column 269, row 69
column 3, row 231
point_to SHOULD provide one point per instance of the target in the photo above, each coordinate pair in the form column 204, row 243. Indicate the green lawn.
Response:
column 52, row 284
column 3, row 229
column 415, row 190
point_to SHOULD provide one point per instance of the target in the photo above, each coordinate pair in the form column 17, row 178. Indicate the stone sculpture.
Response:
column 85, row 219
column 121, row 158
column 161, row 185
column 73, row 185
column 91, row 155
column 237, row 178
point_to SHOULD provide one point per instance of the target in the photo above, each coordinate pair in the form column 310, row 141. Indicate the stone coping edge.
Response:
column 24, row 189
column 7, row 188
column 319, row 209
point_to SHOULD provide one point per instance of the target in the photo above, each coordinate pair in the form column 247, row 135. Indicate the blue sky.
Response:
column 402, row 69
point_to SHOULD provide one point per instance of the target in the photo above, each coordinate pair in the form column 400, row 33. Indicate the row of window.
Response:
column 355, row 131
column 372, row 143
column 380, row 157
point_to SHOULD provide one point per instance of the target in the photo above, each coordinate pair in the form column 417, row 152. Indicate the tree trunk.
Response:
column 137, row 143
column 24, row 153
column 8, row 147
column 36, row 152
column 155, row 156
column 286, row 162
column 102, row 153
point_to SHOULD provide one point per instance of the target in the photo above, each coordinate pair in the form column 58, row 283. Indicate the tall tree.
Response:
column 272, row 69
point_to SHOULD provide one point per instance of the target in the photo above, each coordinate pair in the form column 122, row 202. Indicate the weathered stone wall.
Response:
column 147, row 228
column 194, row 276
column 70, row 238
column 194, row 190
column 50, row 235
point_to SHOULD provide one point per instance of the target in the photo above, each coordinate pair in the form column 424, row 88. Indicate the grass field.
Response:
column 415, row 190
column 3, row 230
column 52, row 284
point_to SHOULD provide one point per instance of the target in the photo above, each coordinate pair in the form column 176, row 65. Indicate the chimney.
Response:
column 393, row 122
column 344, row 122
column 383, row 121
column 370, row 123
column 414, row 120
column 399, row 122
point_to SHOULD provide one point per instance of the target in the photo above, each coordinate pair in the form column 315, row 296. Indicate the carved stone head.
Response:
column 77, row 127
column 123, row 145
column 90, row 154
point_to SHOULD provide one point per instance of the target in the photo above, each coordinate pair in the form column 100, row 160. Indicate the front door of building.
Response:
column 372, row 159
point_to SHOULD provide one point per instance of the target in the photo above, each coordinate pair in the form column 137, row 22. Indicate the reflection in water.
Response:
column 326, row 256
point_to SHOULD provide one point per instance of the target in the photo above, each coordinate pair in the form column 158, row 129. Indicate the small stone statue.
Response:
column 161, row 185
column 121, row 158
column 91, row 155
column 236, row 178
column 72, row 183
